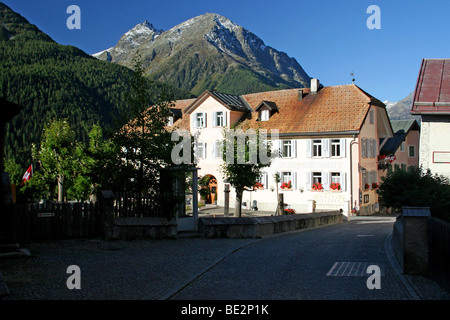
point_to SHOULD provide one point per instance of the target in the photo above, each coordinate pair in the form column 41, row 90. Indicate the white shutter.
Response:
column 294, row 148
column 204, row 119
column 266, row 180
column 194, row 120
column 308, row 180
column 214, row 123
column 326, row 148
column 343, row 146
column 204, row 150
column 309, row 148
column 294, row 180
column 280, row 148
column 343, row 180
column 326, row 180
column 225, row 118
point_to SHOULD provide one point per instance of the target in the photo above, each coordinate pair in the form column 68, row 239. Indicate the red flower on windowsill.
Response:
column 317, row 186
column 375, row 185
column 258, row 185
column 287, row 185
column 336, row 186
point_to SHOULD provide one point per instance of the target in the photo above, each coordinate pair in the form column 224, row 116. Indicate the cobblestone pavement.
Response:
column 289, row 266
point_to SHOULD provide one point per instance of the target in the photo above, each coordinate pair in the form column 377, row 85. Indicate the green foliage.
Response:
column 14, row 170
column 239, row 168
column 418, row 189
column 145, row 144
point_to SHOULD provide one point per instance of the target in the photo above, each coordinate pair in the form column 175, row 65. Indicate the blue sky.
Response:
column 329, row 38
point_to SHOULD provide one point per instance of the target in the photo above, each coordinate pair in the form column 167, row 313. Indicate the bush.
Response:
column 416, row 188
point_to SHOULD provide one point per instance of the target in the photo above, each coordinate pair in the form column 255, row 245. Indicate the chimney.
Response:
column 300, row 94
column 314, row 86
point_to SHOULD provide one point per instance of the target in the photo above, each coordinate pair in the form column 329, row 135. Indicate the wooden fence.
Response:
column 439, row 251
column 53, row 221
column 141, row 205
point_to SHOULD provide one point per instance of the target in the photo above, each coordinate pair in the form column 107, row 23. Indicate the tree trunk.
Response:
column 238, row 203
column 60, row 188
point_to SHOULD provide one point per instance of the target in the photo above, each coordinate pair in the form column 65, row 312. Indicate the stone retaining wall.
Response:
column 255, row 227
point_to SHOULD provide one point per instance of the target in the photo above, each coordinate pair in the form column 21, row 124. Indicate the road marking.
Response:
column 352, row 269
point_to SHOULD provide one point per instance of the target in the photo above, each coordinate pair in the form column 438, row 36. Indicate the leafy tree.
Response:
column 242, row 163
column 145, row 144
column 416, row 188
column 56, row 155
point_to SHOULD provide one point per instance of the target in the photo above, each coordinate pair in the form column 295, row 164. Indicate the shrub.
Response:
column 416, row 188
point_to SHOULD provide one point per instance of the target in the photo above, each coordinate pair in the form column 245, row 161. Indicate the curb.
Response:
column 398, row 269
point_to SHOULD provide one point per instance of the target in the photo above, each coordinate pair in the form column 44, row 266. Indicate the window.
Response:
column 402, row 146
column 288, row 179
column 371, row 116
column 264, row 180
column 286, row 148
column 200, row 120
column 368, row 148
column 317, row 148
column 335, row 147
column 170, row 121
column 336, row 177
column 411, row 151
column 200, row 150
column 265, row 115
column 217, row 149
column 220, row 119
column 403, row 166
column 317, row 177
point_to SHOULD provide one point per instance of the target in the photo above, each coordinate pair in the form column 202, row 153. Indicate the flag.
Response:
column 28, row 174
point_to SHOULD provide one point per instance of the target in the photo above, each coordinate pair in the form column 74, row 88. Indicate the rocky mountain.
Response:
column 55, row 81
column 208, row 52
column 400, row 110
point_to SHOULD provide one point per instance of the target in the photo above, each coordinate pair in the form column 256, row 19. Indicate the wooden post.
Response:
column 280, row 204
column 226, row 211
column 195, row 197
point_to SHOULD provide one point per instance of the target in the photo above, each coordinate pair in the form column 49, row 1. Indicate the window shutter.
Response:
column 280, row 148
column 225, row 116
column 294, row 180
column 266, row 180
column 214, row 119
column 204, row 119
column 194, row 120
column 294, row 148
column 309, row 148
column 343, row 146
column 326, row 180
column 343, row 180
column 308, row 180
column 364, row 147
column 326, row 147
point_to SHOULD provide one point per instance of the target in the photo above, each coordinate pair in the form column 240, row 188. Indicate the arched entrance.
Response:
column 208, row 189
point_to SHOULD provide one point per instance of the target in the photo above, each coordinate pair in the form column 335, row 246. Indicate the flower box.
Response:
column 286, row 186
column 317, row 187
column 375, row 185
column 335, row 186
column 258, row 186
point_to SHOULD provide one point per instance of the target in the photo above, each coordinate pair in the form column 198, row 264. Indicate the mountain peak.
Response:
column 208, row 51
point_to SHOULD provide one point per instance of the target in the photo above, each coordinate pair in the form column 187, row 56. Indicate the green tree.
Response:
column 145, row 144
column 418, row 189
column 242, row 161
column 56, row 155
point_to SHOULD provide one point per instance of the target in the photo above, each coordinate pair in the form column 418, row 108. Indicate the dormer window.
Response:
column 170, row 121
column 266, row 109
column 265, row 115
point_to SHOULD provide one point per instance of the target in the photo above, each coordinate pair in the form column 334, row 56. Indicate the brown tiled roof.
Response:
column 332, row 109
column 182, row 123
column 432, row 94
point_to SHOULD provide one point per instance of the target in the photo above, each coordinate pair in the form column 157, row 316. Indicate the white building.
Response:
column 432, row 102
column 327, row 135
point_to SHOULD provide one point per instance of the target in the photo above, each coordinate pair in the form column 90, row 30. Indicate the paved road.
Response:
column 300, row 266
column 289, row 266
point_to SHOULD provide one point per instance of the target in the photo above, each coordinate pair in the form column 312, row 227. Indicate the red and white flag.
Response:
column 28, row 174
